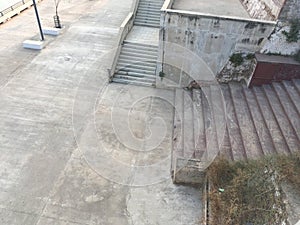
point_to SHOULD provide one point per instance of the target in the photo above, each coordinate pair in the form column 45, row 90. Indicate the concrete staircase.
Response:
column 259, row 121
column 148, row 13
column 136, row 64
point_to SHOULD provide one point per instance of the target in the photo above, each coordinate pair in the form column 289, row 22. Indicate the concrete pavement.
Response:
column 216, row 7
column 60, row 160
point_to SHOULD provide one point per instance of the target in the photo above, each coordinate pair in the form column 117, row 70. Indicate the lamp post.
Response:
column 38, row 20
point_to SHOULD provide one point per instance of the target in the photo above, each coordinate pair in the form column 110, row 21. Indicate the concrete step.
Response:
column 188, row 127
column 152, row 52
column 137, row 64
column 185, row 167
column 236, row 141
column 199, row 127
column 146, row 24
column 207, row 119
column 225, row 148
column 138, row 55
column 152, row 3
column 260, row 124
column 249, row 135
column 218, row 108
column 288, row 106
column 278, row 138
column 135, row 74
column 142, row 17
column 211, row 122
column 139, row 45
column 283, row 120
column 135, row 78
column 131, row 58
column 147, row 12
column 136, row 68
column 139, row 51
column 296, row 83
column 141, row 48
column 151, row 68
column 293, row 93
column 149, row 7
column 178, row 127
column 133, row 82
column 147, row 20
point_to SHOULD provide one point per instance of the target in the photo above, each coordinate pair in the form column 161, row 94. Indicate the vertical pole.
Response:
column 38, row 20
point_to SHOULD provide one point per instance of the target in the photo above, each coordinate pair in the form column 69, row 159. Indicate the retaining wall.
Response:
column 211, row 38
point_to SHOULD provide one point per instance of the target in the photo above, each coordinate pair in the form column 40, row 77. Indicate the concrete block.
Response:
column 189, row 171
column 31, row 44
column 51, row 31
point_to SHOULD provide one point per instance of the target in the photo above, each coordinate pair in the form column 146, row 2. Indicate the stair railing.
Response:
column 15, row 9
column 125, row 28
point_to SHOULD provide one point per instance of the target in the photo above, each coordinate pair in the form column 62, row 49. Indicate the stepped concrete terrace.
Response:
column 260, row 121
column 232, row 8
column 63, row 159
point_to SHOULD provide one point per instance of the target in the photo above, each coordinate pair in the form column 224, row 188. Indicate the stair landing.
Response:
column 145, row 35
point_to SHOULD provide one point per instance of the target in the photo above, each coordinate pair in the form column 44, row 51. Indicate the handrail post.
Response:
column 38, row 20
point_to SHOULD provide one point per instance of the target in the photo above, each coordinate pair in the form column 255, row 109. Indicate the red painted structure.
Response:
column 270, row 68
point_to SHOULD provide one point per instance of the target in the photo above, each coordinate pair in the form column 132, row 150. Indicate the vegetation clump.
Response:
column 162, row 75
column 293, row 34
column 236, row 59
column 250, row 192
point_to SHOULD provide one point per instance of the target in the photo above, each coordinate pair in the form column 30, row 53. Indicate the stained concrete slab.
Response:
column 55, row 119
column 217, row 7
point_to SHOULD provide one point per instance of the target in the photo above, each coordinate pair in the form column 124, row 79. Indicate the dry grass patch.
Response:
column 249, row 193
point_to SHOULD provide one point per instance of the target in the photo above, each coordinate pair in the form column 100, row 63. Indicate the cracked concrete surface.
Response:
column 73, row 148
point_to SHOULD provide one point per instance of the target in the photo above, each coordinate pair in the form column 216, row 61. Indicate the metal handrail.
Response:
column 13, row 7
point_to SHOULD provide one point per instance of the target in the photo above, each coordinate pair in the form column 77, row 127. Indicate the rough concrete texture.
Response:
column 290, row 10
column 231, row 72
column 211, row 39
column 263, row 9
column 216, row 7
column 292, row 204
column 277, row 43
column 60, row 161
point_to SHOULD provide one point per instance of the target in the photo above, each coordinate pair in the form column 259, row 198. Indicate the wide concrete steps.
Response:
column 148, row 13
column 136, row 64
column 195, row 131
column 257, row 122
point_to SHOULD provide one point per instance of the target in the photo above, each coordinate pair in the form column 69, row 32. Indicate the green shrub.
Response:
column 162, row 75
column 236, row 59
column 293, row 34
column 250, row 56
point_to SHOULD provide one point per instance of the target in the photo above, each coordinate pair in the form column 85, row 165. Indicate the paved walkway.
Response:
column 216, row 7
column 73, row 149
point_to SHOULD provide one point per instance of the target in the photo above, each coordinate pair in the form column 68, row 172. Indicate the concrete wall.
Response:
column 290, row 10
column 200, row 45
